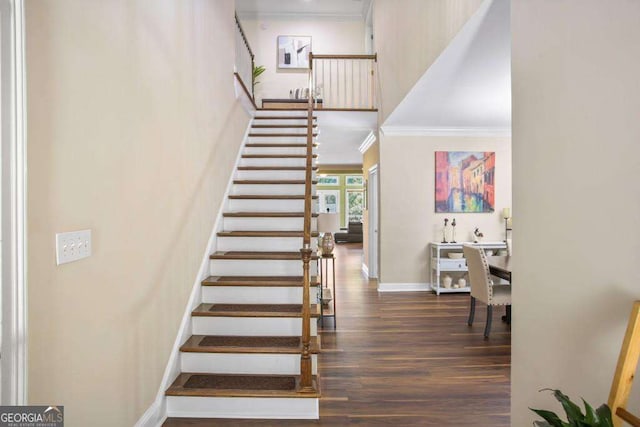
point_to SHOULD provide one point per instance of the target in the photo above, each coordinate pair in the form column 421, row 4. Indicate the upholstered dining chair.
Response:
column 482, row 287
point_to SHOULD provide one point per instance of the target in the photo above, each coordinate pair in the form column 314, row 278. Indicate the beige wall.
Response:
column 576, row 103
column 370, row 158
column 407, row 219
column 409, row 36
column 327, row 37
column 133, row 130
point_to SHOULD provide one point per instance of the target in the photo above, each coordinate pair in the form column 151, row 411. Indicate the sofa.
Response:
column 352, row 235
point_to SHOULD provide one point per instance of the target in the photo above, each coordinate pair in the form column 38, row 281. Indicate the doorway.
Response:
column 373, row 202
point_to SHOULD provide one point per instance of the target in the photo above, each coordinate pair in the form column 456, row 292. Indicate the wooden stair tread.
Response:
column 275, row 168
column 271, row 181
column 277, row 281
column 273, row 145
column 276, row 156
column 247, row 344
column 259, row 255
column 266, row 214
column 280, row 135
column 238, row 385
column 270, row 196
column 262, row 233
column 283, row 117
column 253, row 310
column 282, row 126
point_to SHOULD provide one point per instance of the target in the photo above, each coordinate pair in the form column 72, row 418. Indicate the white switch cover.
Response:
column 73, row 246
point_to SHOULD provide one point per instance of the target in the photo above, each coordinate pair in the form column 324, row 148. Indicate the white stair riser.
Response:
column 281, row 113
column 267, row 224
column 243, row 267
column 263, row 244
column 268, row 205
column 275, row 161
column 253, row 326
column 285, row 122
column 273, row 174
column 256, row 294
column 242, row 363
column 302, row 139
column 267, row 131
column 279, row 189
column 275, row 150
column 242, row 407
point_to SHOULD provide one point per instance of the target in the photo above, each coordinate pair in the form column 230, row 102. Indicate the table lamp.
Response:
column 506, row 214
column 327, row 224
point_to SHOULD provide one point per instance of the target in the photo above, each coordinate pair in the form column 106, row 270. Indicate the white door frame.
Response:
column 374, row 221
column 13, row 365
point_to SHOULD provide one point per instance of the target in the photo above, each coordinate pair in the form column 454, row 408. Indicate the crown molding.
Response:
column 443, row 131
column 298, row 16
column 368, row 142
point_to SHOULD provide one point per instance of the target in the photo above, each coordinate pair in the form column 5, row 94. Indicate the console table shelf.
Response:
column 440, row 262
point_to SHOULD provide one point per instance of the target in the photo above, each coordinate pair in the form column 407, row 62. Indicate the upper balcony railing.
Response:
column 345, row 82
column 244, row 58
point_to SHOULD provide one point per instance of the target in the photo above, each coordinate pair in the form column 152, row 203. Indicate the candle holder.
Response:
column 506, row 214
column 453, row 232
column 444, row 230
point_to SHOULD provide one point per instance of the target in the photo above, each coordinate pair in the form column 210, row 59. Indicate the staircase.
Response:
column 243, row 359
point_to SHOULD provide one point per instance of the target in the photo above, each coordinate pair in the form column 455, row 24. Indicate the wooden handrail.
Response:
column 246, row 91
column 244, row 37
column 374, row 57
column 306, row 378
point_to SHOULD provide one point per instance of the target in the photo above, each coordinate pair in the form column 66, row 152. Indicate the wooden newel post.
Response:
column 306, row 379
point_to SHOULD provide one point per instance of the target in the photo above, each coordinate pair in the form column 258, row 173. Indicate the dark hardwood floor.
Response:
column 403, row 359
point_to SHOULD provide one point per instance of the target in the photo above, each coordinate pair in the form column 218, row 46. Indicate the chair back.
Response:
column 478, row 273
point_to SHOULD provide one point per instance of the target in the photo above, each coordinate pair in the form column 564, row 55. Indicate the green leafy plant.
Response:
column 257, row 71
column 600, row 417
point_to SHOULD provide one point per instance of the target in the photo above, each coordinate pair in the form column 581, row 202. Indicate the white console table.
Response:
column 439, row 262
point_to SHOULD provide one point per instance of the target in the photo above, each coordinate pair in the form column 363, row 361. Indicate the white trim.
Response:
column 155, row 416
column 365, row 269
column 14, row 222
column 157, row 412
column 300, row 16
column 367, row 143
column 391, row 130
column 403, row 287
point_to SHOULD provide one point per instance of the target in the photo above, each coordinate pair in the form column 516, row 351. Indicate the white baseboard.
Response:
column 365, row 269
column 155, row 416
column 403, row 287
column 157, row 412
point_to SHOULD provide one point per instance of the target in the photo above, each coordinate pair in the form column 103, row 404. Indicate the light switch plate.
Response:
column 73, row 246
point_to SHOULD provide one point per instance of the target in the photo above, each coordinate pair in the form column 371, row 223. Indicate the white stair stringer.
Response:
column 235, row 273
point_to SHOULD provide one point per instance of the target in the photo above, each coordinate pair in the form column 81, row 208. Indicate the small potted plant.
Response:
column 257, row 71
column 600, row 417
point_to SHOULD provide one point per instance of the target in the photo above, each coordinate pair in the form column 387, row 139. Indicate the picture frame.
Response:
column 354, row 180
column 465, row 181
column 329, row 201
column 293, row 52
column 329, row 180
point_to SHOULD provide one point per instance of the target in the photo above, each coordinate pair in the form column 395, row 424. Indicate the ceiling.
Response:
column 341, row 134
column 467, row 90
column 349, row 9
